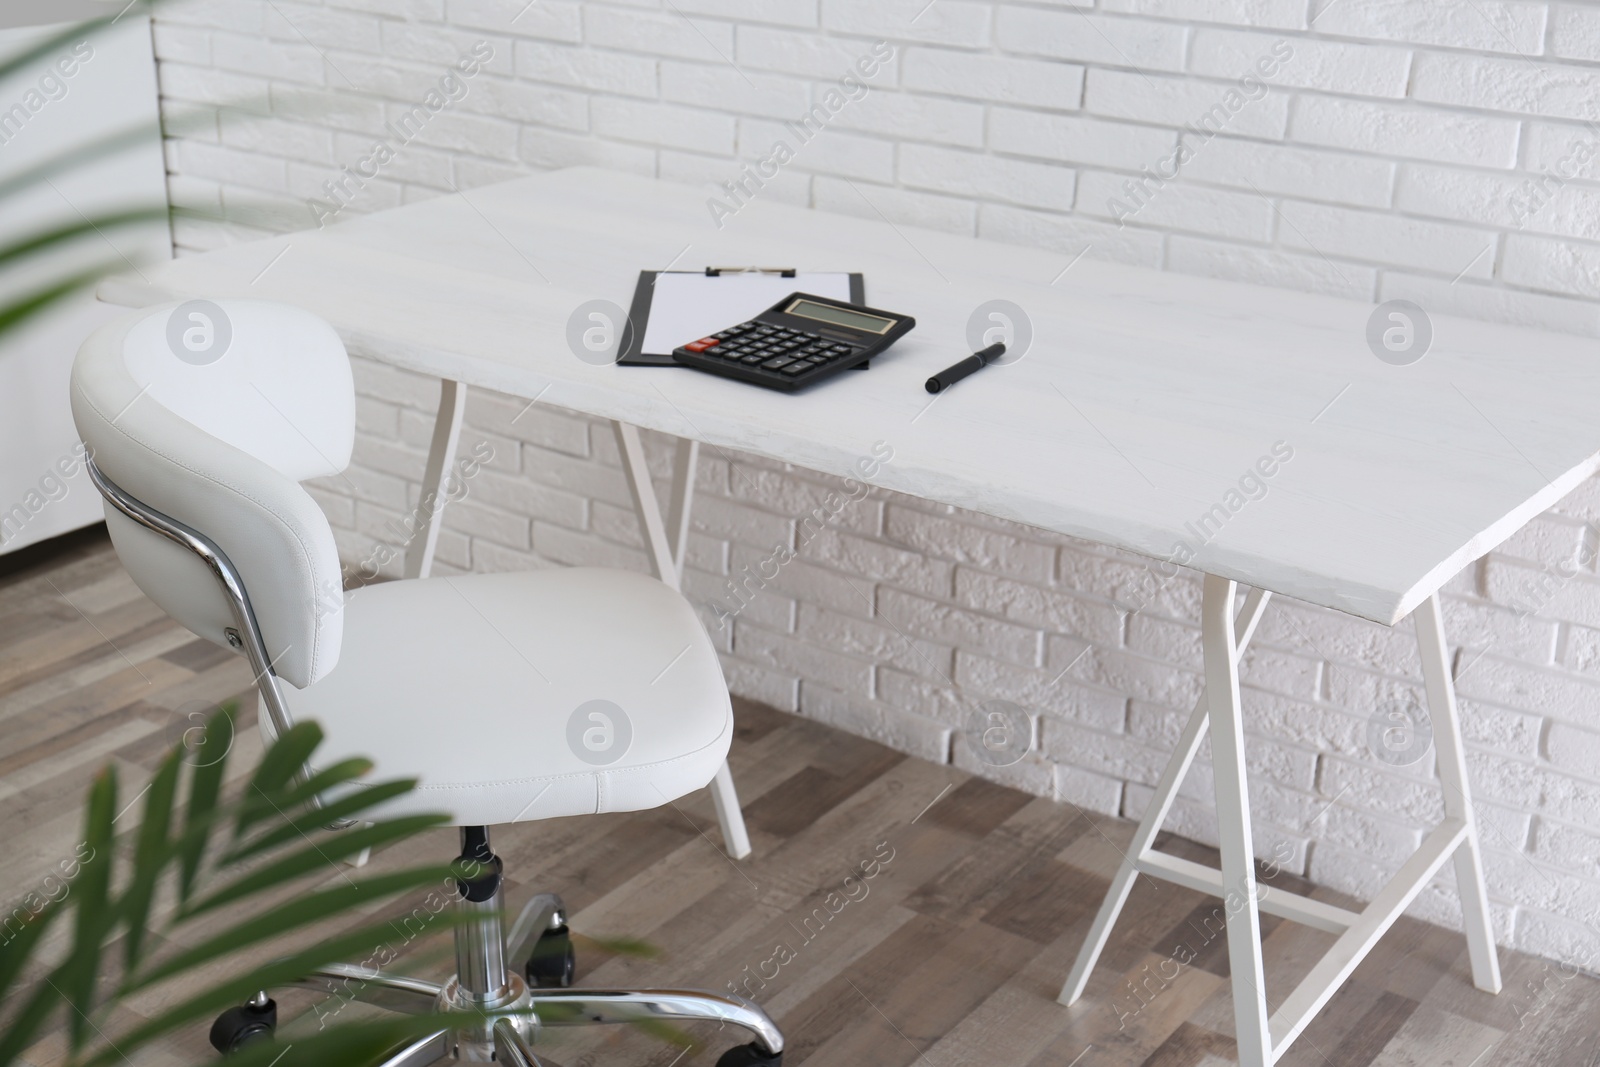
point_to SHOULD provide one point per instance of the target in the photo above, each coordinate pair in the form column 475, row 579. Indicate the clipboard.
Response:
column 696, row 303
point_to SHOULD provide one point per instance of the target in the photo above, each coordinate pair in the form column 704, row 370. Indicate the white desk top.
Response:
column 1144, row 399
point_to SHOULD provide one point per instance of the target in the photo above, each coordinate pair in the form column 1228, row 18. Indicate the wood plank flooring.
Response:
column 895, row 912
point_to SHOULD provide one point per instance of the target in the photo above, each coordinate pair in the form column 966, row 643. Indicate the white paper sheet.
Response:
column 688, row 306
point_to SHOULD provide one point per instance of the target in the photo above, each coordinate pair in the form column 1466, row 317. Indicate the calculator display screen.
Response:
column 855, row 320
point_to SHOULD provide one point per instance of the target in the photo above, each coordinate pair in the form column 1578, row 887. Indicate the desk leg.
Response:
column 665, row 542
column 736, row 839
column 1143, row 838
column 663, row 557
column 684, row 461
column 1233, row 825
column 1262, row 1039
column 441, row 458
column 1156, row 814
column 1446, row 723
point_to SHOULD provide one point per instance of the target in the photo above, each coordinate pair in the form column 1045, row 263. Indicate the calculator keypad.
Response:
column 778, row 350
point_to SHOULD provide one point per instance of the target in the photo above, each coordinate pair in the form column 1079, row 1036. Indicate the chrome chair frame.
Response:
column 489, row 963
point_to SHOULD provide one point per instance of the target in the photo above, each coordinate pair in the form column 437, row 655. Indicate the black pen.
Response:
column 951, row 375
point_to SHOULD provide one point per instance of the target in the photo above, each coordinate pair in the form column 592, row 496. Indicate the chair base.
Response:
column 506, row 980
column 510, row 1037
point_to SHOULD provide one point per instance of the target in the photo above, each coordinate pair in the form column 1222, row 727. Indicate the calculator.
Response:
column 797, row 342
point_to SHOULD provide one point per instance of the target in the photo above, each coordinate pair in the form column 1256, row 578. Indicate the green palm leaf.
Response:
column 214, row 998
column 48, row 46
column 27, row 1022
column 90, row 893
column 66, row 161
column 151, row 856
column 287, row 758
column 318, row 783
column 47, row 240
column 18, row 948
column 109, row 898
column 342, row 808
column 300, row 911
column 26, row 307
column 40, row 300
column 336, row 847
column 210, row 760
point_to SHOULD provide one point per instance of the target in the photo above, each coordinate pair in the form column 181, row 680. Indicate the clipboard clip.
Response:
column 717, row 272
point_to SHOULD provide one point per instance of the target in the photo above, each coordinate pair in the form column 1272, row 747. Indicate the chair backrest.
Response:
column 212, row 414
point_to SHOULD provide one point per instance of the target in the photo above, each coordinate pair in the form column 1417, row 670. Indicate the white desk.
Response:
column 1144, row 399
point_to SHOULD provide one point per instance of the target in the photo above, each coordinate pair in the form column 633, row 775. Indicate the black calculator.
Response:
column 798, row 341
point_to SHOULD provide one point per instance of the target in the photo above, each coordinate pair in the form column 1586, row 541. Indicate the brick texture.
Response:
column 1447, row 153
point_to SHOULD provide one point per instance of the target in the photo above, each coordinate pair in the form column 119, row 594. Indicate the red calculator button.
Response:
column 703, row 344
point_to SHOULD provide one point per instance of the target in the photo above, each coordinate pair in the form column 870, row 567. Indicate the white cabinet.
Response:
column 96, row 85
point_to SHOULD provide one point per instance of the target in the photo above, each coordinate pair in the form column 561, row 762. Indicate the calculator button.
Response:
column 798, row 367
column 755, row 358
column 703, row 344
column 777, row 364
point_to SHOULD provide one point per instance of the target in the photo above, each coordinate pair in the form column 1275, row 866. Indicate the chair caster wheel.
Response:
column 751, row 1055
column 553, row 964
column 244, row 1025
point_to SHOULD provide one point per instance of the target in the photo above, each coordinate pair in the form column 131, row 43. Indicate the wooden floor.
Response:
column 951, row 954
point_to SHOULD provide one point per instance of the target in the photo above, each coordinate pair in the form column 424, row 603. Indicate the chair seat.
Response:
column 525, row 696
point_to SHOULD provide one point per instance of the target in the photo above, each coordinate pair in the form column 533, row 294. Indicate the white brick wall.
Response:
column 1391, row 154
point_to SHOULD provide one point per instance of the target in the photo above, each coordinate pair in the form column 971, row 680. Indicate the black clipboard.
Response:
column 633, row 353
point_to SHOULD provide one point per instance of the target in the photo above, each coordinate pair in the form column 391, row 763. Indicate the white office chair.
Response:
column 510, row 697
